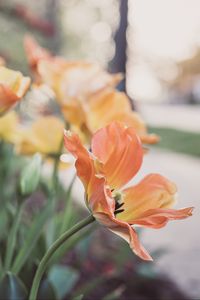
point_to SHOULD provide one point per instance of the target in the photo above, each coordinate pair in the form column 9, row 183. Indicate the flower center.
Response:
column 118, row 202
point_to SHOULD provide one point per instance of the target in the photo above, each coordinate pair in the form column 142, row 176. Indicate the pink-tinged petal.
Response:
column 119, row 151
column 34, row 52
column 102, row 206
column 157, row 218
column 7, row 98
column 154, row 191
column 125, row 231
column 98, row 197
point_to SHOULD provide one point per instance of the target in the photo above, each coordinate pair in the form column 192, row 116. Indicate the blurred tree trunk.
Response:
column 52, row 11
column 118, row 63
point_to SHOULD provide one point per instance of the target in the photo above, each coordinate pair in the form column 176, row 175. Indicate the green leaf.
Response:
column 63, row 279
column 3, row 222
column 30, row 176
column 33, row 235
column 12, row 288
column 11, row 240
column 46, row 291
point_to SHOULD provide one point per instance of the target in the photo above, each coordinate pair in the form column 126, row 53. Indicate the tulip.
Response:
column 43, row 136
column 8, row 127
column 111, row 105
column 115, row 158
column 13, row 86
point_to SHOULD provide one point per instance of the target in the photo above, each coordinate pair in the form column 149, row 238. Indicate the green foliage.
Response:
column 46, row 291
column 32, row 237
column 12, row 288
column 63, row 278
column 30, row 176
column 177, row 140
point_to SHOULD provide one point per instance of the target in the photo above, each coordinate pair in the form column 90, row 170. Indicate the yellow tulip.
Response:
column 13, row 86
column 44, row 135
column 8, row 127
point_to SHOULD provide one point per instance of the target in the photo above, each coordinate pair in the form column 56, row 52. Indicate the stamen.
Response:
column 118, row 205
column 118, row 211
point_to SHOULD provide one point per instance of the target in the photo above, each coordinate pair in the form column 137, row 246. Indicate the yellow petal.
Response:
column 154, row 191
column 8, row 127
column 44, row 136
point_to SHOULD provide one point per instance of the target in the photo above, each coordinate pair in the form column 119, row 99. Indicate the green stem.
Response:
column 12, row 238
column 59, row 242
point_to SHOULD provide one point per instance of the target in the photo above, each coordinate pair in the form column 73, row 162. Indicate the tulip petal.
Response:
column 84, row 163
column 157, row 218
column 13, row 86
column 102, row 206
column 154, row 191
column 7, row 98
column 120, row 152
column 125, row 231
column 101, row 115
column 44, row 136
column 34, row 52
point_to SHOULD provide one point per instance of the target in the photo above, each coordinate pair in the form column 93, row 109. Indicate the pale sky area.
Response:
column 161, row 32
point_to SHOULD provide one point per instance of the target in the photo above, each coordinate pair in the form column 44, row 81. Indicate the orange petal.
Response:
column 125, row 231
column 100, row 114
column 154, row 191
column 119, row 150
column 7, row 98
column 94, row 185
column 103, row 205
column 157, row 218
column 13, row 86
column 84, row 163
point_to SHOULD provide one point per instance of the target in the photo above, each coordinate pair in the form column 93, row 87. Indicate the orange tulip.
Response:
column 111, row 105
column 13, row 86
column 85, row 93
column 115, row 157
column 34, row 53
column 68, row 79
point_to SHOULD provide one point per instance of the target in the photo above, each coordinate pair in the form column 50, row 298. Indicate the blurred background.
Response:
column 156, row 44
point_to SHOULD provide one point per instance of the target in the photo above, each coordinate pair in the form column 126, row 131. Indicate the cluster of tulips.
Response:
column 94, row 123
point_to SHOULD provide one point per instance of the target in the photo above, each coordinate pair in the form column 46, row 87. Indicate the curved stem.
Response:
column 44, row 262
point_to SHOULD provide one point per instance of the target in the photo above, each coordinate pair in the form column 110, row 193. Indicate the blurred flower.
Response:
column 111, row 105
column 44, row 135
column 85, row 93
column 8, row 127
column 69, row 79
column 2, row 61
column 116, row 157
column 34, row 54
column 13, row 86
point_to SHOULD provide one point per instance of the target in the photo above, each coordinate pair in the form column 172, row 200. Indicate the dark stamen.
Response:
column 118, row 205
column 118, row 211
